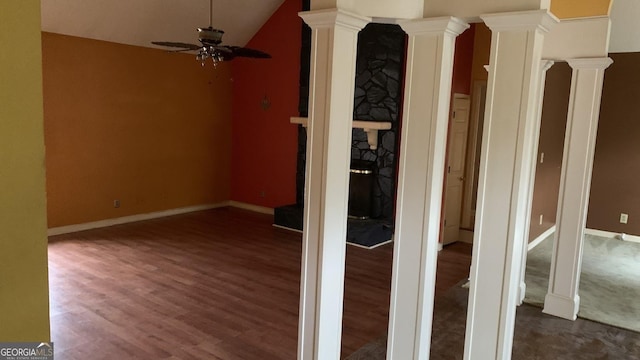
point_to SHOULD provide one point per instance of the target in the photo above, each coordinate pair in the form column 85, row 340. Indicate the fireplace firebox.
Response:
column 360, row 189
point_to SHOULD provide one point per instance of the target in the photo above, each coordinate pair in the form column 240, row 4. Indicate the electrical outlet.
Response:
column 116, row 203
column 541, row 157
column 541, row 218
column 624, row 218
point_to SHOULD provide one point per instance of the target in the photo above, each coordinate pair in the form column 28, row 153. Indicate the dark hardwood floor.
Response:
column 218, row 284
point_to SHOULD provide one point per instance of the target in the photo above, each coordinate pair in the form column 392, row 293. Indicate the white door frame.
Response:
column 477, row 111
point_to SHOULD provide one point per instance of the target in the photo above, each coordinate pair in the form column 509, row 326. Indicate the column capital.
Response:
column 328, row 18
column 434, row 26
column 546, row 64
column 590, row 63
column 541, row 20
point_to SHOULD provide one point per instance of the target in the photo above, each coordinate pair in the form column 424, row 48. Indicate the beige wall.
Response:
column 24, row 301
column 143, row 126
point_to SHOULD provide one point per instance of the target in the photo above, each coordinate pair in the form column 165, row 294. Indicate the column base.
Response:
column 561, row 306
column 522, row 291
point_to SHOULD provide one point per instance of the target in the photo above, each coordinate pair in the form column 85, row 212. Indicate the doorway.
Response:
column 456, row 155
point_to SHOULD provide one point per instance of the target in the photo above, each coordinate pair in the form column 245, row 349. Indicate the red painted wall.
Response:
column 462, row 62
column 264, row 143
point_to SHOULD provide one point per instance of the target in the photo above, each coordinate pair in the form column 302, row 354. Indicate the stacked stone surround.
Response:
column 378, row 97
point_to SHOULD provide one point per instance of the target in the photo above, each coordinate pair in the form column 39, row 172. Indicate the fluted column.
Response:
column 420, row 180
column 334, row 40
column 503, row 186
column 575, row 183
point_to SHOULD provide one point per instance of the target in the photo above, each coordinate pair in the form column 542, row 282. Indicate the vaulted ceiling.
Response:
column 138, row 22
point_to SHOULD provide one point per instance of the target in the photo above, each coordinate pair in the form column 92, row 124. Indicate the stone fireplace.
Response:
column 378, row 98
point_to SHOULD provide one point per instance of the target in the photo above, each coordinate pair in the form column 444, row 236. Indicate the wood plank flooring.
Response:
column 218, row 284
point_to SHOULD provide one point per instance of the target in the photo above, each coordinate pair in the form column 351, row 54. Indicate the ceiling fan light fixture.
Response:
column 210, row 36
column 211, row 52
column 210, row 45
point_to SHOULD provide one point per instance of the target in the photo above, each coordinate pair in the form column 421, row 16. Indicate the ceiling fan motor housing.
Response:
column 210, row 36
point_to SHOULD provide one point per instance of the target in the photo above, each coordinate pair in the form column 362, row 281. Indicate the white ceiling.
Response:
column 138, row 22
column 625, row 27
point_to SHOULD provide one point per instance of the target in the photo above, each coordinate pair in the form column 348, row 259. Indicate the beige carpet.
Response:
column 609, row 282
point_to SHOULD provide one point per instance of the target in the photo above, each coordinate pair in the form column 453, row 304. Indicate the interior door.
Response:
column 457, row 149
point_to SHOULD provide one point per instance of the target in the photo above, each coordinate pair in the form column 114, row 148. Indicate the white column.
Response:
column 522, row 290
column 333, row 58
column 503, row 186
column 575, row 182
column 420, row 181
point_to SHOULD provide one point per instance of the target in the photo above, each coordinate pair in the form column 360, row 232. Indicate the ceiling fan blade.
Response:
column 246, row 52
column 184, row 46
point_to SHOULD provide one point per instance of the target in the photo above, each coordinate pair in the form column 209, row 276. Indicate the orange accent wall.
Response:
column 565, row 9
column 143, row 126
column 264, row 142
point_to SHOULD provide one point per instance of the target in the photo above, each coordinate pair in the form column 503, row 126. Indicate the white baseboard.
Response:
column 370, row 247
column 132, row 218
column 561, row 306
column 612, row 235
column 541, row 238
column 251, row 207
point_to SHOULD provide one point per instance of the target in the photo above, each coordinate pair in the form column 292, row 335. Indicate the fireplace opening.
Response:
column 360, row 189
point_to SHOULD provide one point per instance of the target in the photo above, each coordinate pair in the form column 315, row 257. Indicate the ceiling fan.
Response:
column 210, row 45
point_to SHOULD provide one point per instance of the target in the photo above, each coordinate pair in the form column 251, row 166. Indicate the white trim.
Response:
column 612, row 235
column 132, row 218
column 251, row 207
column 370, row 247
column 562, row 306
column 429, row 65
column 537, row 241
column 590, row 63
column 521, row 20
column 467, row 219
column 334, row 43
column 287, row 228
column 434, row 26
column 329, row 18
column 562, row 299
